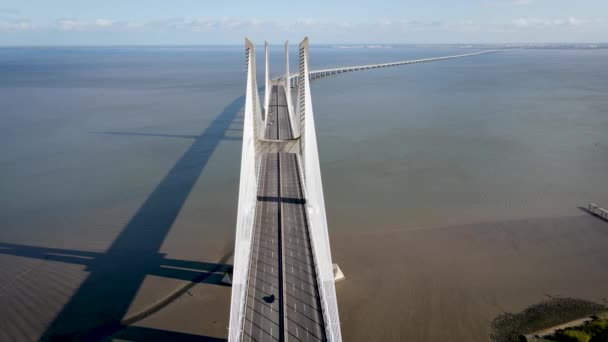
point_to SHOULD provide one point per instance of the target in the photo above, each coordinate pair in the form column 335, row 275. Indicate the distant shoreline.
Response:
column 543, row 46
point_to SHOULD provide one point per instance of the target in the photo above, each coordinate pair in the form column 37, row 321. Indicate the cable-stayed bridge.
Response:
column 283, row 277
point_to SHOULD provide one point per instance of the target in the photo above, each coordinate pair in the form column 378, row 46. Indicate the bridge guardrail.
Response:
column 247, row 200
column 315, row 205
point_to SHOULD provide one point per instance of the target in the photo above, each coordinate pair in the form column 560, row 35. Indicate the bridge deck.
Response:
column 278, row 126
column 283, row 301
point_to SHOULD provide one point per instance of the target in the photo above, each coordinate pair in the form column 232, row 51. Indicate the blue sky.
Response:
column 87, row 22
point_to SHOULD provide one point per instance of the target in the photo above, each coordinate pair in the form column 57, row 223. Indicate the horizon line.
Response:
column 363, row 44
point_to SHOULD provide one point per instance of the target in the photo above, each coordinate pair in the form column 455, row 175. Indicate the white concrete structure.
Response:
column 315, row 203
column 266, row 79
column 295, row 123
column 247, row 195
column 254, row 148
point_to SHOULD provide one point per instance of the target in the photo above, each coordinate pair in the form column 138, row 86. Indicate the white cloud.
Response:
column 521, row 2
column 381, row 30
column 202, row 24
column 407, row 25
column 312, row 25
column 507, row 3
column 520, row 22
column 16, row 25
column 71, row 24
column 549, row 23
column 104, row 22
column 10, row 21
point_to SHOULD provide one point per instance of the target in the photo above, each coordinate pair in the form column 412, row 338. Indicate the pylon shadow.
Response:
column 98, row 307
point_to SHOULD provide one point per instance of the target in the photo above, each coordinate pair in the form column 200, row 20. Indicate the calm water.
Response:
column 134, row 152
column 502, row 135
column 88, row 134
column 510, row 135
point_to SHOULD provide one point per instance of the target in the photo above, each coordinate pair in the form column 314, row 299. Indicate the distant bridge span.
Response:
column 283, row 276
column 313, row 74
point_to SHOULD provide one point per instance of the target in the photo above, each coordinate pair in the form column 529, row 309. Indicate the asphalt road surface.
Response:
column 283, row 302
column 278, row 126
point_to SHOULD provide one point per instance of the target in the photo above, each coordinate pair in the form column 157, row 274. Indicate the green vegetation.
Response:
column 593, row 331
column 508, row 327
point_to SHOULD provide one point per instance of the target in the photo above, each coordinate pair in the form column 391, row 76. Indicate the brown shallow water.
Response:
column 448, row 284
column 436, row 284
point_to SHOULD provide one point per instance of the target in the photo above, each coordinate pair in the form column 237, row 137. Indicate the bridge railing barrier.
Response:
column 315, row 203
column 247, row 199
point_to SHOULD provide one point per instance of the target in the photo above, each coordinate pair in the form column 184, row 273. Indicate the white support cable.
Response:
column 247, row 200
column 257, row 106
column 300, row 107
column 266, row 80
column 315, row 205
column 295, row 124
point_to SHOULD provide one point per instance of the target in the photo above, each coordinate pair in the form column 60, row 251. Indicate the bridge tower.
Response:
column 283, row 279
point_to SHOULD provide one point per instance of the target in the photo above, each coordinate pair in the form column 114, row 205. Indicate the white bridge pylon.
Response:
column 283, row 279
column 296, row 153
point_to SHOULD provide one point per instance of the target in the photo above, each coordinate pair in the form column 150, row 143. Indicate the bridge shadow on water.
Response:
column 98, row 307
